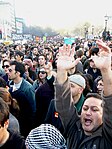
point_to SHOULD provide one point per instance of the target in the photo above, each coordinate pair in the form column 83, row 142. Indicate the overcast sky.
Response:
column 63, row 13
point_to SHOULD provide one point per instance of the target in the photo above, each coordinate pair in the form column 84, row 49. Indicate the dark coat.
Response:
column 25, row 97
column 94, row 74
column 15, row 141
column 53, row 116
column 43, row 96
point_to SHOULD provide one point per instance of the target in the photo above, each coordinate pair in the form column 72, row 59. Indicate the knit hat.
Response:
column 78, row 79
column 45, row 136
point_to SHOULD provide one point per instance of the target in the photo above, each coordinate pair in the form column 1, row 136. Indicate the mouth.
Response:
column 87, row 121
column 99, row 91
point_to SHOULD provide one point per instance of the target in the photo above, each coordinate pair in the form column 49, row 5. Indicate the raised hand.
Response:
column 66, row 58
column 103, row 60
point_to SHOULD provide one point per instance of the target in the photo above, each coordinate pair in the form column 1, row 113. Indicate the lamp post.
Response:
column 106, row 21
column 86, row 32
column 92, row 29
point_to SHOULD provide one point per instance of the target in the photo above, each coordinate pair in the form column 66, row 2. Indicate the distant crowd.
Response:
column 56, row 96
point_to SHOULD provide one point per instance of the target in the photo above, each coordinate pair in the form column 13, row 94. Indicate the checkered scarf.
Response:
column 45, row 136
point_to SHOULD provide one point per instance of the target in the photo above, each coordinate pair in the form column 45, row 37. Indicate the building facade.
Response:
column 7, row 20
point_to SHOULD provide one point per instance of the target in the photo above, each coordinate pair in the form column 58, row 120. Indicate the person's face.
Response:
column 12, row 73
column 18, row 57
column 4, row 56
column 91, row 115
column 100, row 86
column 35, row 51
column 41, row 60
column 3, row 132
column 17, row 47
column 6, row 67
column 92, row 64
column 12, row 58
column 46, row 51
column 42, row 74
column 75, row 89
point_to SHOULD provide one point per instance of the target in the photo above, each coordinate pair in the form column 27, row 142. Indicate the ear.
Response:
column 18, row 73
column 6, row 124
column 81, row 90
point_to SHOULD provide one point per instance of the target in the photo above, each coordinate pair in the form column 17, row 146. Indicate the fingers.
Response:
column 102, row 46
column 66, row 50
column 94, row 57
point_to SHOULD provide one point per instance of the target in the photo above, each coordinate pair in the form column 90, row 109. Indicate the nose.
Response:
column 88, row 112
column 98, row 86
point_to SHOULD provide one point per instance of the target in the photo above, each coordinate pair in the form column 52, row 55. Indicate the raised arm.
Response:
column 64, row 104
column 103, row 62
column 65, row 63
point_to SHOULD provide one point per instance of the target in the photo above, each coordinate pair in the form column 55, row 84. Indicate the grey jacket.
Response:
column 76, row 139
column 13, row 124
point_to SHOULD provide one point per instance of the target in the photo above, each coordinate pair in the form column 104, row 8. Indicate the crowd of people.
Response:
column 56, row 96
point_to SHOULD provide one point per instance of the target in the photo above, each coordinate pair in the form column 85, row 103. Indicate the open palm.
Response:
column 103, row 60
column 66, row 58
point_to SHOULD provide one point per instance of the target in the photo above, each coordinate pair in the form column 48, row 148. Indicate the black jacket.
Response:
column 15, row 141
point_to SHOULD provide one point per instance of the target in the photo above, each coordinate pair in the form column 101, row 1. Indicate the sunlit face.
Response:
column 18, row 57
column 41, row 60
column 35, row 51
column 6, row 67
column 100, row 86
column 12, row 73
column 75, row 90
column 42, row 74
column 4, row 56
column 91, row 115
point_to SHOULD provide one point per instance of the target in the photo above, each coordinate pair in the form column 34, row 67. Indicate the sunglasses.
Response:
column 5, row 66
column 42, row 72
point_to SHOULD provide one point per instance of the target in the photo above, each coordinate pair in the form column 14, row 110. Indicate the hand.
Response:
column 27, row 74
column 66, row 58
column 103, row 60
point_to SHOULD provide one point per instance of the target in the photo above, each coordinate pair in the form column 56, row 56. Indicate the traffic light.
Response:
column 0, row 34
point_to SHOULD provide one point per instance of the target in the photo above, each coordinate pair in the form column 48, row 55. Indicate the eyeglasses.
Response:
column 42, row 72
column 5, row 66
